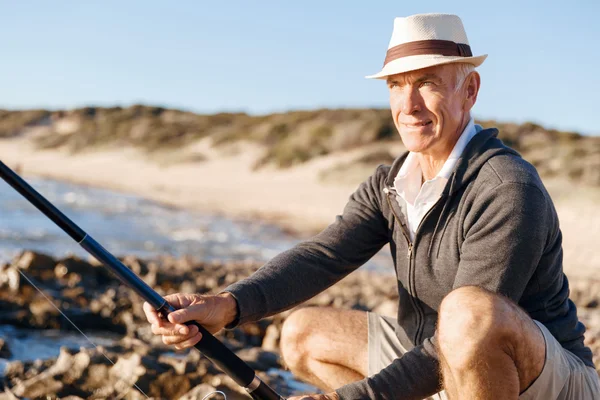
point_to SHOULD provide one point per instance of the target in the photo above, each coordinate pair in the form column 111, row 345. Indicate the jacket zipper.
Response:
column 410, row 272
column 420, row 314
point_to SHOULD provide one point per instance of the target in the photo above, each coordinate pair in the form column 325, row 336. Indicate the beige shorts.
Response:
column 564, row 376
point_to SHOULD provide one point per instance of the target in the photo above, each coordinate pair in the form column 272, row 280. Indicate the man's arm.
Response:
column 505, row 239
column 302, row 272
column 505, row 234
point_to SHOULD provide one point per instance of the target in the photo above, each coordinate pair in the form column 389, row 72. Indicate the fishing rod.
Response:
column 211, row 347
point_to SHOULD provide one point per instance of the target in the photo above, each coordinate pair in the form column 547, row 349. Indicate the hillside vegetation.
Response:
column 288, row 138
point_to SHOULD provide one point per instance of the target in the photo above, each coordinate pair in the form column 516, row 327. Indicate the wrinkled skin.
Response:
column 430, row 112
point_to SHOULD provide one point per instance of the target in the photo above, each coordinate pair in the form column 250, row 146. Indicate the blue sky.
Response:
column 270, row 56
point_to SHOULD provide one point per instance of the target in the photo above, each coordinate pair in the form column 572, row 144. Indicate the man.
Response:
column 483, row 312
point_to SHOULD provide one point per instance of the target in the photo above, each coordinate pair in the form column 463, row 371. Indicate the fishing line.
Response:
column 75, row 326
column 216, row 391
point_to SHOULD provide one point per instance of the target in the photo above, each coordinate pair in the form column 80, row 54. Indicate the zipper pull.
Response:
column 409, row 255
column 389, row 190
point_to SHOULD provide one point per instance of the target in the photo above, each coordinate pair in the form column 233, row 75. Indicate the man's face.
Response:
column 428, row 110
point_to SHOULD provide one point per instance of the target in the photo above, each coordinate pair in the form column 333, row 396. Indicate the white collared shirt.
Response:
column 419, row 199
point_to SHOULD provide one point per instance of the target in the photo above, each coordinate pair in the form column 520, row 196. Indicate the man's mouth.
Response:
column 416, row 124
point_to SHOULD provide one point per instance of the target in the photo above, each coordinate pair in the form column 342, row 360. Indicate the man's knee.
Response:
column 295, row 333
column 471, row 320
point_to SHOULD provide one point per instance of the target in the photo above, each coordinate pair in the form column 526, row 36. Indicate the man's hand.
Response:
column 212, row 312
column 328, row 396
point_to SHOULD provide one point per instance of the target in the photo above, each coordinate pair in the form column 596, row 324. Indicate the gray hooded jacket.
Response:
column 494, row 226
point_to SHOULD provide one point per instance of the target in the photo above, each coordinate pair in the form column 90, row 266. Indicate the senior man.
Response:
column 484, row 309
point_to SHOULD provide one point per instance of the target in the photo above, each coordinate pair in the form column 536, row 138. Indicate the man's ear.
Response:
column 473, row 84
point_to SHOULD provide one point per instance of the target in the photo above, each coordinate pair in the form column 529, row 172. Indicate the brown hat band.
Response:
column 419, row 47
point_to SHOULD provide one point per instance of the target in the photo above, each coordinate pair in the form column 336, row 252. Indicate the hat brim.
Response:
column 412, row 63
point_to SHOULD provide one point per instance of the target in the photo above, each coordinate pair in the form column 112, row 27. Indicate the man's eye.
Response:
column 427, row 83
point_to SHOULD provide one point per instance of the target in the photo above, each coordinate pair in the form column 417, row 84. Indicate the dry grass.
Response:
column 288, row 139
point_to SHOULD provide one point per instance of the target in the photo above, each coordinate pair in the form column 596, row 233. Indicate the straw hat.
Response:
column 424, row 40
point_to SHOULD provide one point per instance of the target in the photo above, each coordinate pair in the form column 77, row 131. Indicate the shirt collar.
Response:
column 408, row 180
column 410, row 175
column 464, row 139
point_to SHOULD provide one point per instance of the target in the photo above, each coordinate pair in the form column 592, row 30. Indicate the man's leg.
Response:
column 327, row 347
column 489, row 347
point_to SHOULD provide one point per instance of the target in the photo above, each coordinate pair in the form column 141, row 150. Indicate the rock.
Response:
column 136, row 345
column 199, row 392
column 170, row 385
column 42, row 311
column 37, row 264
column 187, row 287
column 592, row 304
column 585, row 293
column 178, row 365
column 338, row 302
column 126, row 372
column 67, row 367
column 259, row 359
column 251, row 334
column 14, row 368
column 271, row 339
column 8, row 395
column 104, row 304
column 138, row 266
column 126, row 317
column 4, row 350
column 73, row 269
column 76, row 367
column 97, row 377
column 37, row 388
column 75, row 294
column 228, row 386
column 10, row 278
column 388, row 308
column 210, row 283
column 151, row 276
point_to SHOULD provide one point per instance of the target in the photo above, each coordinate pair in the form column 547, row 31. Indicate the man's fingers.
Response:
column 175, row 300
column 191, row 313
column 188, row 308
column 177, row 339
column 168, row 329
column 178, row 300
column 151, row 314
column 328, row 396
column 181, row 300
column 189, row 342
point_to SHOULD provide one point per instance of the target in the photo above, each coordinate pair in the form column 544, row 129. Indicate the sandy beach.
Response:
column 222, row 181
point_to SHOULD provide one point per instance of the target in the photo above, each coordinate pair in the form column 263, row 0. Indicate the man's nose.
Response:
column 410, row 101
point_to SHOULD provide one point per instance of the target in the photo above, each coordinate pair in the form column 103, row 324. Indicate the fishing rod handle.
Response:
column 264, row 392
column 209, row 346
column 229, row 362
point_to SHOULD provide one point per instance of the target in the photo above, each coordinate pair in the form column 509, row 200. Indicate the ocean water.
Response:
column 127, row 224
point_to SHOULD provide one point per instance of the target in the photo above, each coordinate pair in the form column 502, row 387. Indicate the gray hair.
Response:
column 462, row 71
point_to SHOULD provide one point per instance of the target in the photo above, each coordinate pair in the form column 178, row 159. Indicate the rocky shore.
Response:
column 96, row 302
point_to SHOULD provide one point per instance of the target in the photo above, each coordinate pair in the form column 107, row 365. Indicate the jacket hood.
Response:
column 483, row 146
